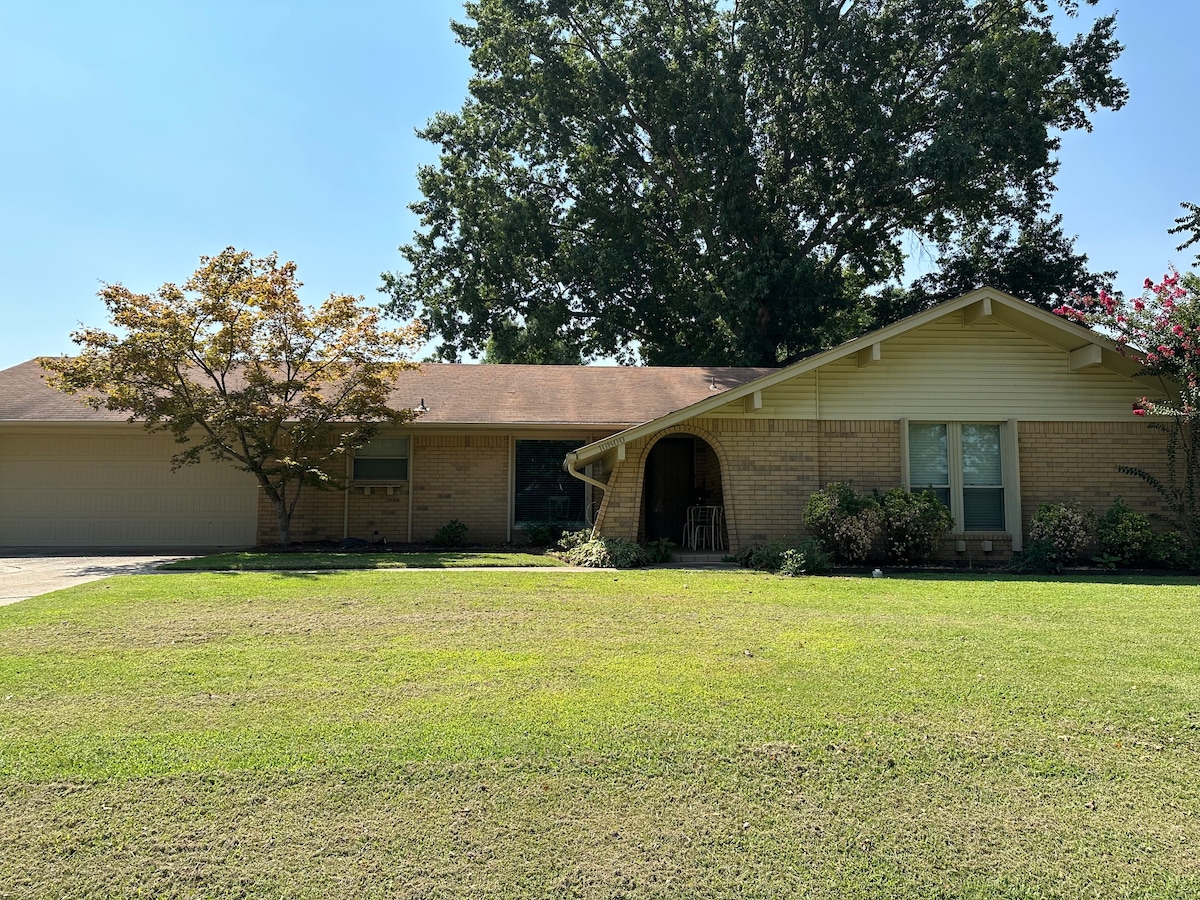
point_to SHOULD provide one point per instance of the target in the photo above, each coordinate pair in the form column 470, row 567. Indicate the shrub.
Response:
column 1040, row 556
column 572, row 539
column 606, row 553
column 452, row 534
column 1167, row 550
column 543, row 534
column 660, row 551
column 913, row 524
column 1126, row 534
column 844, row 522
column 807, row 559
column 787, row 557
column 765, row 556
column 1064, row 526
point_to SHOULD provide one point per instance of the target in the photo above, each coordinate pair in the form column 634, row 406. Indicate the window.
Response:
column 545, row 491
column 382, row 460
column 964, row 464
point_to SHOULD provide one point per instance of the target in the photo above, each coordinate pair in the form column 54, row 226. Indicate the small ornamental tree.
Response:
column 1162, row 328
column 237, row 368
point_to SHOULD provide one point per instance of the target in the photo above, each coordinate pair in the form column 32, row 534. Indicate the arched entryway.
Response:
column 682, row 470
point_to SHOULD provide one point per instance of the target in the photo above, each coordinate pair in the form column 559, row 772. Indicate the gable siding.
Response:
column 948, row 370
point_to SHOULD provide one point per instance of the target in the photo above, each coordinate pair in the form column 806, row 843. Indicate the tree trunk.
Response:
column 284, row 520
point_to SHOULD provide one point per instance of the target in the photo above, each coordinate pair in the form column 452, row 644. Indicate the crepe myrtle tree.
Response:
column 1163, row 327
column 236, row 368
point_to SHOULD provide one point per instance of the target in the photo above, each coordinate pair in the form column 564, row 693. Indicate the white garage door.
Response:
column 83, row 487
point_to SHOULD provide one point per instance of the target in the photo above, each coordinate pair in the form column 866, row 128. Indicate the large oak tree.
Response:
column 704, row 181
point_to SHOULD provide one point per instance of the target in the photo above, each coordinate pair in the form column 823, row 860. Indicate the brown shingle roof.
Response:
column 464, row 394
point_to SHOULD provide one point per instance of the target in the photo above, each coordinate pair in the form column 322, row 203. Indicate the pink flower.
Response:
column 1139, row 305
column 1178, row 329
column 1139, row 412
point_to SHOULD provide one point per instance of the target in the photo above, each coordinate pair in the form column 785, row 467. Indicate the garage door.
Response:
column 74, row 487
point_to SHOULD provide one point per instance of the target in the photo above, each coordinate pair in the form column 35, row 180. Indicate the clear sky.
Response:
column 139, row 136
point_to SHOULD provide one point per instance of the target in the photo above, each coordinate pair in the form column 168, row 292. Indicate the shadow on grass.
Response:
column 327, row 562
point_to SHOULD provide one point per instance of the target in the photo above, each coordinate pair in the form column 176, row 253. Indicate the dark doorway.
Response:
column 670, row 483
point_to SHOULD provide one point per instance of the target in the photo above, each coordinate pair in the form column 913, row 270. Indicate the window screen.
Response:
column 928, row 460
column 983, row 479
column 545, row 490
column 382, row 460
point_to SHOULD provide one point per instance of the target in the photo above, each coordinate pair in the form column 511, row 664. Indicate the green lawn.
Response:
column 645, row 734
column 250, row 561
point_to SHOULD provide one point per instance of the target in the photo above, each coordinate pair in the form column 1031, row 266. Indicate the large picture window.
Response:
column 382, row 460
column 963, row 463
column 545, row 491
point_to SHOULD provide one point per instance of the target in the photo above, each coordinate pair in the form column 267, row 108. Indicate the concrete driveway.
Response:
column 24, row 575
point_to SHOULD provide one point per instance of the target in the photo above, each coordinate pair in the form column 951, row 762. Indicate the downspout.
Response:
column 346, row 499
column 572, row 459
column 412, row 452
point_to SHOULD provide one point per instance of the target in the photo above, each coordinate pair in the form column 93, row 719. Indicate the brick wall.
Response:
column 462, row 477
column 770, row 467
column 1077, row 461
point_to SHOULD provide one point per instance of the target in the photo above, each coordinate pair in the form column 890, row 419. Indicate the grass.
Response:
column 250, row 561
column 644, row 734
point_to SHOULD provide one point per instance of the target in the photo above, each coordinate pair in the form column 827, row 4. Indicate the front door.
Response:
column 670, row 480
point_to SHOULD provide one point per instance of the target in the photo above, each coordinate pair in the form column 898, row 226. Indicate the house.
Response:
column 995, row 404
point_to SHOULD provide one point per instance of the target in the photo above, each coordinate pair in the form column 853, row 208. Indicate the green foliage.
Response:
column 236, row 368
column 1125, row 534
column 1064, row 527
column 1161, row 328
column 913, row 525
column 543, row 534
column 572, row 539
column 846, row 523
column 720, row 183
column 806, row 559
column 787, row 557
column 513, row 343
column 1040, row 557
column 605, row 553
column 452, row 534
column 660, row 551
column 1033, row 260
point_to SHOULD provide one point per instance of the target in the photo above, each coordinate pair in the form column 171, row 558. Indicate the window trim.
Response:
column 1009, row 469
column 407, row 457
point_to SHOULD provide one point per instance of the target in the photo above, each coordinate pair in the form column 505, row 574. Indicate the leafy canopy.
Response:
column 704, row 182
column 238, row 369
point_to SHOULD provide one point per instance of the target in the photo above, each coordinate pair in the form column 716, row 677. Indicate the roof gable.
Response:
column 986, row 308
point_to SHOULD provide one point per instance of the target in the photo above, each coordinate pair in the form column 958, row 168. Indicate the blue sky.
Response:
column 140, row 136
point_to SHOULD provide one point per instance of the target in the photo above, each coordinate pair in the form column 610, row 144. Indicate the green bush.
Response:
column 1126, row 534
column 845, row 522
column 605, row 553
column 452, row 534
column 1166, row 551
column 766, row 556
column 807, row 559
column 660, row 551
column 787, row 557
column 1064, row 526
column 572, row 539
column 1039, row 557
column 913, row 525
column 543, row 534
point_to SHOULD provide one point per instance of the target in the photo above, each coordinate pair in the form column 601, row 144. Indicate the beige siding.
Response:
column 111, row 486
column 948, row 370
